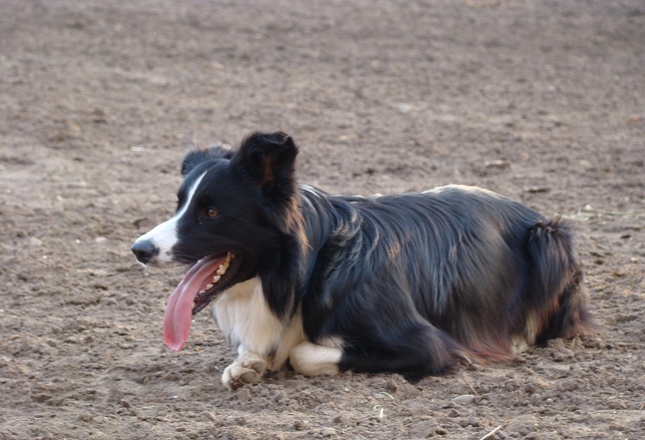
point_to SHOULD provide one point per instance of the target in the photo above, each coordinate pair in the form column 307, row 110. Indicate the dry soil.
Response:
column 542, row 101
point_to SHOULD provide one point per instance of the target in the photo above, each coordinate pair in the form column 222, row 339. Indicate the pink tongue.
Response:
column 179, row 310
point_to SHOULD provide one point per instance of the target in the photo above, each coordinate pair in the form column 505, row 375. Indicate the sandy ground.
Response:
column 541, row 101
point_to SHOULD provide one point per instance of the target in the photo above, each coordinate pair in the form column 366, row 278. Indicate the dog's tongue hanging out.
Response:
column 179, row 310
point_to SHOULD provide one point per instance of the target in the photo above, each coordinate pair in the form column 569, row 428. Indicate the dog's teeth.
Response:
column 209, row 286
column 221, row 270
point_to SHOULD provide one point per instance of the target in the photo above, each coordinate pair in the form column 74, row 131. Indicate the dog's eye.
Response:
column 212, row 213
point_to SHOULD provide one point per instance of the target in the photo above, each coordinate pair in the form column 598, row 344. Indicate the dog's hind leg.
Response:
column 414, row 350
column 248, row 368
column 315, row 360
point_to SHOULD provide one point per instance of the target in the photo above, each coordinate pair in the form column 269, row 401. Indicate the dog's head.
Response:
column 235, row 208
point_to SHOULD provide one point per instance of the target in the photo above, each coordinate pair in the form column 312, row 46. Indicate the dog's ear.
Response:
column 269, row 158
column 201, row 155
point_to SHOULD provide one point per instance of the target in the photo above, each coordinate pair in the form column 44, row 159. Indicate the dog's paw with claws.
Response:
column 248, row 368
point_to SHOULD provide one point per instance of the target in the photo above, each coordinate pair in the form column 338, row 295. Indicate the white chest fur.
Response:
column 246, row 320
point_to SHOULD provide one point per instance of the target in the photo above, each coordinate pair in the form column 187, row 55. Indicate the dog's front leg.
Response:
column 248, row 368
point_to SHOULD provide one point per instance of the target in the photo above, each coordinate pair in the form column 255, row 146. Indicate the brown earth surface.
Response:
column 540, row 101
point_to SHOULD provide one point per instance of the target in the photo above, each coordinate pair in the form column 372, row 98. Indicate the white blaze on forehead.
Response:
column 164, row 235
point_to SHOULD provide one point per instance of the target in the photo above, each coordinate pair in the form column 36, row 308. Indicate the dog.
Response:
column 409, row 284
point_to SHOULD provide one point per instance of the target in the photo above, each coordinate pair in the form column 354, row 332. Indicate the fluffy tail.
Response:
column 556, row 291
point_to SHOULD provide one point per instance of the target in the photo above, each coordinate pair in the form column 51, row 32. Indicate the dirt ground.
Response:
column 541, row 101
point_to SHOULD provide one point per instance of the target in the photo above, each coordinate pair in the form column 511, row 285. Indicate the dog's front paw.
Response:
column 247, row 369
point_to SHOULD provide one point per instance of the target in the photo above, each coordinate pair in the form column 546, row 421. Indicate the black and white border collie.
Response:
column 407, row 283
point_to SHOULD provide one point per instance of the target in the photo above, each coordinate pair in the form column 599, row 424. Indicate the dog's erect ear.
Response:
column 201, row 155
column 269, row 157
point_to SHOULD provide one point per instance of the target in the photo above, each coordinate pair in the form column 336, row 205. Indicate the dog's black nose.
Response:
column 144, row 250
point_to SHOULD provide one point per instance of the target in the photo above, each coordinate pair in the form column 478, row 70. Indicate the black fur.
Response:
column 409, row 283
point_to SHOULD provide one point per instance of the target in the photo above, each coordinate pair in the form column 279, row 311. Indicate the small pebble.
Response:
column 466, row 399
column 300, row 425
column 328, row 432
